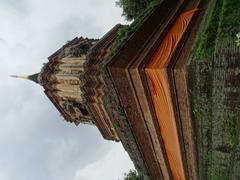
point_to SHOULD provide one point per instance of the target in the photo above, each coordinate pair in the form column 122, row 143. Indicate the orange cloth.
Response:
column 157, row 74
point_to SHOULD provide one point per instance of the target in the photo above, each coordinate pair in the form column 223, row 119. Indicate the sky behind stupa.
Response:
column 35, row 142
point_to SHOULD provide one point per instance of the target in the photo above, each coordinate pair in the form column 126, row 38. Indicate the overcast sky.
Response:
column 35, row 142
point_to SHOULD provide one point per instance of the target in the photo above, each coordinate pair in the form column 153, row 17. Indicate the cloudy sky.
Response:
column 35, row 142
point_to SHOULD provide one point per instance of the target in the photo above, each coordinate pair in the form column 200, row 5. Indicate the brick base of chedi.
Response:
column 138, row 96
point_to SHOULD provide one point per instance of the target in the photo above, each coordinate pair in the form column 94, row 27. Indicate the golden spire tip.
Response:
column 14, row 76
column 21, row 77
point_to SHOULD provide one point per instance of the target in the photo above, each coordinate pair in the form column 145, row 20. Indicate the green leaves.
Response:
column 132, row 175
column 133, row 8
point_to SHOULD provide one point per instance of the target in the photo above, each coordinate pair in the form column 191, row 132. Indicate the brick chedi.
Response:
column 149, row 75
column 76, row 81
column 62, row 78
column 137, row 95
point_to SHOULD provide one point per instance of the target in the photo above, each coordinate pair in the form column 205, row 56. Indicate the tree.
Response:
column 132, row 175
column 132, row 8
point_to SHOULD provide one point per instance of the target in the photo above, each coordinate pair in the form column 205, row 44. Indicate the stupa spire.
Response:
column 20, row 77
column 33, row 77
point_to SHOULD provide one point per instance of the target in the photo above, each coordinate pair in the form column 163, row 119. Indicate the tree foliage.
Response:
column 132, row 175
column 132, row 8
column 139, row 17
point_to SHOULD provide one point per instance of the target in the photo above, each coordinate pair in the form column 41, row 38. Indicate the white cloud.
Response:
column 115, row 167
column 3, row 176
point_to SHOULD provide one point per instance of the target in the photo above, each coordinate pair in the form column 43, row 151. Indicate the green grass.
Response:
column 206, row 43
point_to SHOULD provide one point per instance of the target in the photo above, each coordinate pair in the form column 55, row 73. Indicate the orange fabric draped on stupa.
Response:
column 157, row 74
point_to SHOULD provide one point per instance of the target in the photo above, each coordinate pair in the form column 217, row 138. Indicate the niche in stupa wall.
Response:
column 75, row 110
column 68, row 109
